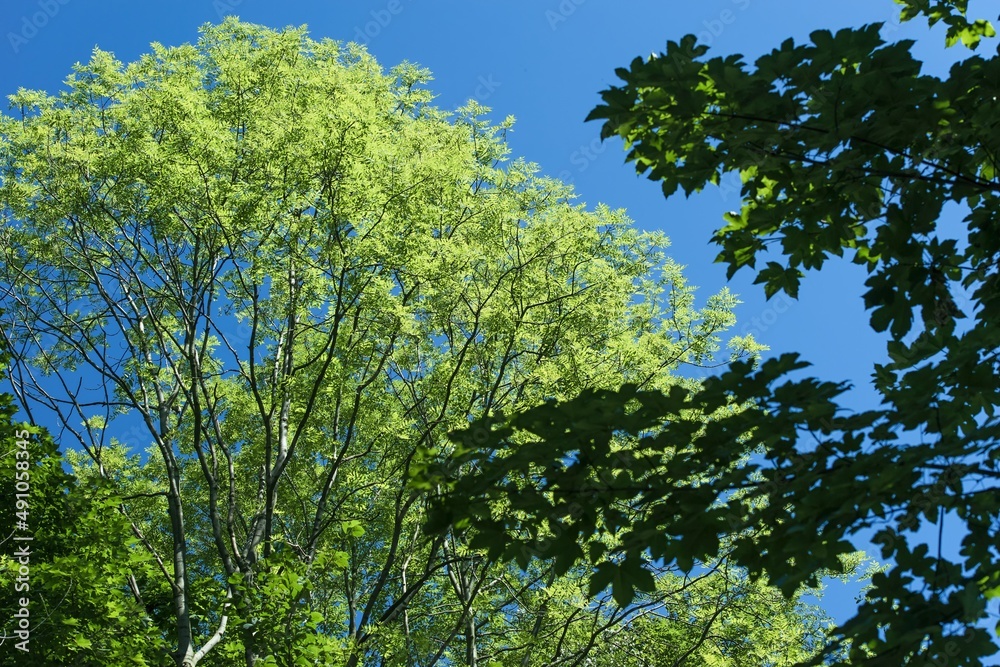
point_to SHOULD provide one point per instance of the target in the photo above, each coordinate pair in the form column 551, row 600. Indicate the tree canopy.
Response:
column 245, row 282
column 844, row 145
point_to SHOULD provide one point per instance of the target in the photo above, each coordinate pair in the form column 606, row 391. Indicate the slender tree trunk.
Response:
column 185, row 646
column 471, row 654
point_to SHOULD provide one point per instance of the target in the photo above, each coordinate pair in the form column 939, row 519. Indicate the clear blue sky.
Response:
column 543, row 61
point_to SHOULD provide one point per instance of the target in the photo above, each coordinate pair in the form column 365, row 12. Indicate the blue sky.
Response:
column 544, row 62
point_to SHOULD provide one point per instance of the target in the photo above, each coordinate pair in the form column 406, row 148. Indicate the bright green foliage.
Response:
column 252, row 278
column 841, row 145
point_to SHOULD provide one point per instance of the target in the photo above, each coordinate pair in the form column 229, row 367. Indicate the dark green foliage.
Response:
column 844, row 146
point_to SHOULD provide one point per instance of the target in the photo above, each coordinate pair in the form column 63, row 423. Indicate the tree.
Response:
column 248, row 280
column 842, row 145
